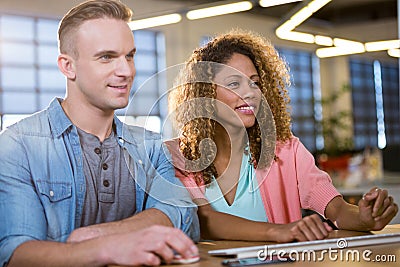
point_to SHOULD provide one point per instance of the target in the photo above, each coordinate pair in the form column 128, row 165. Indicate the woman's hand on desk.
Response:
column 307, row 229
column 377, row 209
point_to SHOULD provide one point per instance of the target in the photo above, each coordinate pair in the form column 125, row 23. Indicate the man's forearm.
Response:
column 139, row 221
column 46, row 253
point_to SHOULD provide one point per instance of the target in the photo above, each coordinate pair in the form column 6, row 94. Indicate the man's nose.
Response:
column 125, row 67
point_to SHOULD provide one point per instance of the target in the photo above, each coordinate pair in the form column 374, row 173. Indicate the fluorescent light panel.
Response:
column 339, row 47
column 269, row 3
column 348, row 44
column 219, row 10
column 394, row 52
column 323, row 40
column 285, row 30
column 307, row 11
column 298, row 37
column 317, row 5
column 382, row 45
column 155, row 21
column 301, row 16
column 338, row 51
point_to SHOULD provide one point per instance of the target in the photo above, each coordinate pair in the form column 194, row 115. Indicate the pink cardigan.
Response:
column 292, row 182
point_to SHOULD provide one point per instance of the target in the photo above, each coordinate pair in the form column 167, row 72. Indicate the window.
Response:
column 364, row 104
column 375, row 97
column 391, row 107
column 29, row 76
column 305, row 105
column 147, row 106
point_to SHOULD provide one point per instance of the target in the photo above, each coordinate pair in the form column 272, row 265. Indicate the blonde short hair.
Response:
column 88, row 10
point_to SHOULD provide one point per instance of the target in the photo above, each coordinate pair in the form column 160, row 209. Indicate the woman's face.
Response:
column 238, row 94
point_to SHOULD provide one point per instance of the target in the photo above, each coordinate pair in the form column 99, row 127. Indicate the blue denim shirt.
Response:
column 42, row 185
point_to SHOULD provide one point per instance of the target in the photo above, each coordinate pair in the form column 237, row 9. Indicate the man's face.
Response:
column 104, row 66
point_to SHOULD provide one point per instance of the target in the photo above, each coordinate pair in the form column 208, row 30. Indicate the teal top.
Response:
column 247, row 203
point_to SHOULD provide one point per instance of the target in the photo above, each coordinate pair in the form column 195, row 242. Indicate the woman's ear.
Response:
column 66, row 64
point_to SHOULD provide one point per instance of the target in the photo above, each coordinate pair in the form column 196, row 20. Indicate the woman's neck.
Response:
column 229, row 143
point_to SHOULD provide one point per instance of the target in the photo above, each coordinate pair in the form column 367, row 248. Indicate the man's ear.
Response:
column 66, row 64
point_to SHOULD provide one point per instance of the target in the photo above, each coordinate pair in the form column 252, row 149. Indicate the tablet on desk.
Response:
column 317, row 245
column 254, row 261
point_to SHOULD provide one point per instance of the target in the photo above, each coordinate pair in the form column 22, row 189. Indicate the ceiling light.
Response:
column 219, row 10
column 348, row 44
column 296, row 36
column 382, row 45
column 317, row 5
column 155, row 21
column 323, row 40
column 269, row 3
column 301, row 16
column 394, row 52
column 287, row 26
column 306, row 12
column 338, row 51
column 338, row 46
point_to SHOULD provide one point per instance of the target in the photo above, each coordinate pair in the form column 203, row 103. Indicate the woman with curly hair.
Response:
column 237, row 156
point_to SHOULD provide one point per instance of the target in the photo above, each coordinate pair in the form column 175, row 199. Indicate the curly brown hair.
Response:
column 195, row 82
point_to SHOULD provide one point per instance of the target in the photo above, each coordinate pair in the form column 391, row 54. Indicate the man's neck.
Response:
column 92, row 121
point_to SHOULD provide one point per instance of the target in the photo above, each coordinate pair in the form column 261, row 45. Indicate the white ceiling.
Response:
column 337, row 10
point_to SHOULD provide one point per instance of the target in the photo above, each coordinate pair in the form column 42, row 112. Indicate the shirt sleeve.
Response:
column 22, row 217
column 168, row 194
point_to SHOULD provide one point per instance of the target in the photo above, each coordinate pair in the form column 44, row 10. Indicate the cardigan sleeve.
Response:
column 315, row 186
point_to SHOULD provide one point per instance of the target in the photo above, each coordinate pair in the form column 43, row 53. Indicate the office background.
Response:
column 29, row 77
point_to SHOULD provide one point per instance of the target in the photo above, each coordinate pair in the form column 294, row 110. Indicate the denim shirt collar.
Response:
column 60, row 122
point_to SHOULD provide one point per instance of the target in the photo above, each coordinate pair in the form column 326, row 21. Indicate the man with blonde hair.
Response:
column 79, row 187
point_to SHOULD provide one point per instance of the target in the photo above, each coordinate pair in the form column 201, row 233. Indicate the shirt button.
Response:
column 105, row 166
column 187, row 219
column 51, row 193
column 106, row 183
column 140, row 161
column 97, row 150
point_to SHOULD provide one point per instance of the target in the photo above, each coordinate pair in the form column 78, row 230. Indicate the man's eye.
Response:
column 105, row 57
column 130, row 56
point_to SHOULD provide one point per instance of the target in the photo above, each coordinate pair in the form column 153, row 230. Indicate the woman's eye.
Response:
column 233, row 85
column 254, row 84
